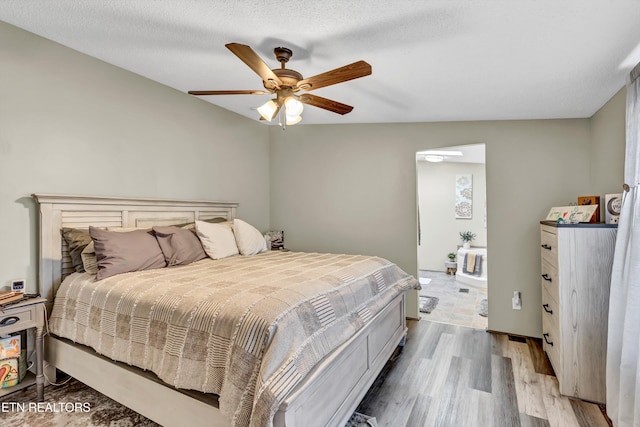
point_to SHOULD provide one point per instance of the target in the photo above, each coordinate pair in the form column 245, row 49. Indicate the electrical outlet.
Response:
column 516, row 301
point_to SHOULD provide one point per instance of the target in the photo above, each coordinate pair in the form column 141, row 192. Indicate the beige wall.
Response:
column 352, row 188
column 439, row 228
column 73, row 124
column 607, row 147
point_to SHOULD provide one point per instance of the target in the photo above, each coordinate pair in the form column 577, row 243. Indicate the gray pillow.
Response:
column 77, row 239
column 179, row 246
column 122, row 252
column 89, row 261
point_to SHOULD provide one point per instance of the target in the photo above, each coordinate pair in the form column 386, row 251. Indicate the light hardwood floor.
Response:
column 456, row 376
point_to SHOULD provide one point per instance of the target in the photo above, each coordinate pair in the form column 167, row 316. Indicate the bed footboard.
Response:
column 334, row 389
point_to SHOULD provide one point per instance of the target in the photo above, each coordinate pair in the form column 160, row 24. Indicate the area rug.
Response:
column 74, row 404
column 428, row 304
column 483, row 308
column 70, row 405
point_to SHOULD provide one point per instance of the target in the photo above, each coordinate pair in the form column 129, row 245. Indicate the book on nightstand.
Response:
column 9, row 360
column 9, row 300
column 6, row 294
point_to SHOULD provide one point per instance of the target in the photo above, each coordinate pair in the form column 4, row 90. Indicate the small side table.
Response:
column 19, row 317
column 452, row 267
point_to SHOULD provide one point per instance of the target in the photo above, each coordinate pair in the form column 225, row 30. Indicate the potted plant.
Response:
column 467, row 237
column 451, row 256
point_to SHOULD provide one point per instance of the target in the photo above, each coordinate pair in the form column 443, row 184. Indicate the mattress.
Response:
column 247, row 328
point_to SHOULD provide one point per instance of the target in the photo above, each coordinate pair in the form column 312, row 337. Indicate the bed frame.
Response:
column 326, row 397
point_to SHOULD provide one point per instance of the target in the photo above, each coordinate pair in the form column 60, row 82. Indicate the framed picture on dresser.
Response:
column 591, row 201
column 612, row 205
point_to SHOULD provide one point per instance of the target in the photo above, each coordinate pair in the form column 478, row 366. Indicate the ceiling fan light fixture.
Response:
column 293, row 106
column 434, row 158
column 446, row 153
column 268, row 110
column 293, row 120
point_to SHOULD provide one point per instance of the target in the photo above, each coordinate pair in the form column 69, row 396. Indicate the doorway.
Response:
column 451, row 186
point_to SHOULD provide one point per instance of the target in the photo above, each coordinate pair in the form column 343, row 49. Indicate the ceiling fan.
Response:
column 286, row 83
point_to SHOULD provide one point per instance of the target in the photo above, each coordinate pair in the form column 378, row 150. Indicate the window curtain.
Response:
column 623, row 345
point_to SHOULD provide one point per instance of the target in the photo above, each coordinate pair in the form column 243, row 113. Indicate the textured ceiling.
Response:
column 443, row 60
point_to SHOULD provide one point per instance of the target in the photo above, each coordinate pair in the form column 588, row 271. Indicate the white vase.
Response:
column 466, row 245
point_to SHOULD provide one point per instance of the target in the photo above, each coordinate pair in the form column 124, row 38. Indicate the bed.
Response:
column 295, row 375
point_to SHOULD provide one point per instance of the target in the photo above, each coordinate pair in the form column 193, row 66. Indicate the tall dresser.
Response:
column 575, row 277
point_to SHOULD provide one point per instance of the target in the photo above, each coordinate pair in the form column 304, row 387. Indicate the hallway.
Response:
column 454, row 307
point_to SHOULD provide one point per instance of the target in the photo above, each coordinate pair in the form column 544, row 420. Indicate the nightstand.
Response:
column 19, row 317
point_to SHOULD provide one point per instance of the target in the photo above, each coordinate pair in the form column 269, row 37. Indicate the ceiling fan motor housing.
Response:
column 289, row 78
column 283, row 54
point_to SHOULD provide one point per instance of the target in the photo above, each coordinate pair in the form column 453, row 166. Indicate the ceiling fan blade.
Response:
column 228, row 92
column 327, row 104
column 249, row 57
column 339, row 75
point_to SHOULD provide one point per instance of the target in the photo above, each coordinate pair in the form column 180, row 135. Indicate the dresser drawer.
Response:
column 549, row 245
column 551, row 328
column 553, row 353
column 16, row 320
column 549, row 280
column 550, row 312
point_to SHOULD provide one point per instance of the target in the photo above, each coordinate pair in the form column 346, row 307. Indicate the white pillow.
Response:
column 217, row 239
column 249, row 240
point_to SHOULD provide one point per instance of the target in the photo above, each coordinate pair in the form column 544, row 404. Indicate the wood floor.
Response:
column 462, row 377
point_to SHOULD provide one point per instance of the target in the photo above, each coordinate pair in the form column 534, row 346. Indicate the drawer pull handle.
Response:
column 546, row 339
column 546, row 277
column 9, row 321
column 545, row 246
column 547, row 309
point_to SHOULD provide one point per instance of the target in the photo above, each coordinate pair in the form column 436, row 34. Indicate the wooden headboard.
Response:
column 58, row 211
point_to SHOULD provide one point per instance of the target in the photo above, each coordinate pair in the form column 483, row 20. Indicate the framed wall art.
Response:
column 464, row 196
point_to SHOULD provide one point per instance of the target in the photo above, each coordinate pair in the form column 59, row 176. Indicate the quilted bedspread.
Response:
column 245, row 328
